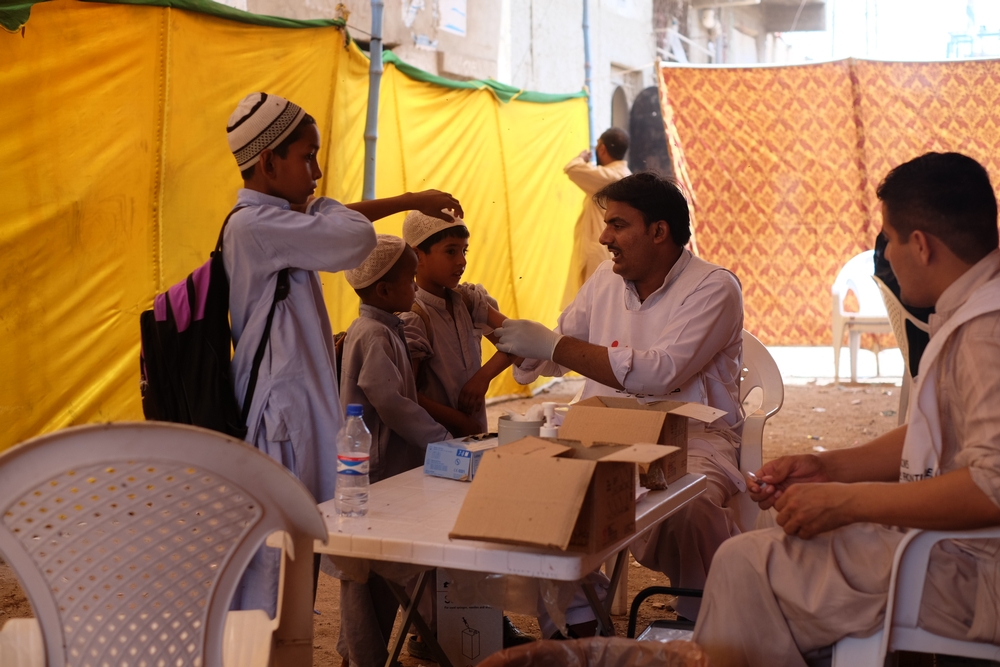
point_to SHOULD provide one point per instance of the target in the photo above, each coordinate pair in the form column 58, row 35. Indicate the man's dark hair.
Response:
column 282, row 149
column 947, row 195
column 656, row 197
column 615, row 142
column 453, row 232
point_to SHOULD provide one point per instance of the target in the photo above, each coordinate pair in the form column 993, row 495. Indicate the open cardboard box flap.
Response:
column 524, row 499
column 642, row 454
column 697, row 411
column 532, row 491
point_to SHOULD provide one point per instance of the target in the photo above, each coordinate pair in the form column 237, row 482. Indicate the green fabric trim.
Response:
column 230, row 13
column 15, row 13
column 503, row 92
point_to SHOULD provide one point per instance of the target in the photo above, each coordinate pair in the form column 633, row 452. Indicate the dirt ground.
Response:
column 813, row 417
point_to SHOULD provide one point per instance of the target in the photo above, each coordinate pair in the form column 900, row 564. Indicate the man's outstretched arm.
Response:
column 533, row 340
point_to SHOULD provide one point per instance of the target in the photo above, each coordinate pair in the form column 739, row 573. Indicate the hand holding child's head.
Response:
column 439, row 205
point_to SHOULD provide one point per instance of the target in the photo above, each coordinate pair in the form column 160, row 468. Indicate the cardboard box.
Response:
column 457, row 458
column 467, row 633
column 610, row 420
column 555, row 493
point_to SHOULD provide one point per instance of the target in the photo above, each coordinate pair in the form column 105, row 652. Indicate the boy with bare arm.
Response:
column 445, row 329
column 444, row 333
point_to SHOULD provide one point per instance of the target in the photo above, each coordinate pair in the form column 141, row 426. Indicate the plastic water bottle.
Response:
column 354, row 443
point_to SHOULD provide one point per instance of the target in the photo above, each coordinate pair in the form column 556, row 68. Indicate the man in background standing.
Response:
column 588, row 253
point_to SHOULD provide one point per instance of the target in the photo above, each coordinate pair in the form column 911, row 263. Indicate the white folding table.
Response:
column 410, row 516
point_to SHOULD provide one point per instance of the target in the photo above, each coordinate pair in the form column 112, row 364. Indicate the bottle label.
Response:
column 352, row 465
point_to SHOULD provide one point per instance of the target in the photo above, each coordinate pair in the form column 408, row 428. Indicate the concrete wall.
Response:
column 532, row 44
column 546, row 48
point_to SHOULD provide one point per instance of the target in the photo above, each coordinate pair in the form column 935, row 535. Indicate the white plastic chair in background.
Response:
column 130, row 540
column 760, row 372
column 906, row 588
column 898, row 317
column 855, row 276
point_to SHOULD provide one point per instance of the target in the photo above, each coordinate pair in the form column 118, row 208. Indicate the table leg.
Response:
column 618, row 577
column 412, row 615
column 619, row 604
column 605, row 627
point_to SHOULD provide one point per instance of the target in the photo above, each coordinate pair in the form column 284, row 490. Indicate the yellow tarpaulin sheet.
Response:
column 784, row 162
column 117, row 177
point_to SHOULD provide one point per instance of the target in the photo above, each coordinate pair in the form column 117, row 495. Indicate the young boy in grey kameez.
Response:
column 377, row 374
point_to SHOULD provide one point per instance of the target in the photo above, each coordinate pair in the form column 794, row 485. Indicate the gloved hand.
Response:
column 528, row 339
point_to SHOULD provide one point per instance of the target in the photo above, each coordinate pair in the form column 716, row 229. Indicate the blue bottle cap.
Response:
column 355, row 410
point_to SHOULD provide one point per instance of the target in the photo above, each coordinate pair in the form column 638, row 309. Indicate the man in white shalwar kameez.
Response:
column 588, row 253
column 656, row 323
column 783, row 595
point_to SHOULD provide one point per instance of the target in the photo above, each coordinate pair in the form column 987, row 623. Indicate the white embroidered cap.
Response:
column 418, row 227
column 260, row 121
column 387, row 252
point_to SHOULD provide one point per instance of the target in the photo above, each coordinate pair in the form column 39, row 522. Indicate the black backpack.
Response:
column 185, row 361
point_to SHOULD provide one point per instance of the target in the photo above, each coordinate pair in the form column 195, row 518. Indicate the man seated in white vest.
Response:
column 781, row 596
column 655, row 323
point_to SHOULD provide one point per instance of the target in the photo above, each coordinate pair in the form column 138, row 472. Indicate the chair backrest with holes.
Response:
column 130, row 539
column 759, row 372
column 898, row 316
column 856, row 276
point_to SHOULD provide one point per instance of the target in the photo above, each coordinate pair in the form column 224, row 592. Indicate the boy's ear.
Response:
column 382, row 289
column 267, row 162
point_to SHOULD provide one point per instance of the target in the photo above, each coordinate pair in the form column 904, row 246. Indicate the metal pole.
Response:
column 587, row 75
column 374, row 83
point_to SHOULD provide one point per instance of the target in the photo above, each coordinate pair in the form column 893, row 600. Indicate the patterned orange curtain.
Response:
column 785, row 161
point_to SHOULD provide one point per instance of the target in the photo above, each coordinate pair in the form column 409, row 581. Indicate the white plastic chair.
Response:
column 759, row 372
column 855, row 276
column 906, row 587
column 760, row 376
column 130, row 540
column 898, row 317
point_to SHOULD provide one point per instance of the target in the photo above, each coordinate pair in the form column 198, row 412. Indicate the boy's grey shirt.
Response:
column 296, row 411
column 457, row 353
column 377, row 374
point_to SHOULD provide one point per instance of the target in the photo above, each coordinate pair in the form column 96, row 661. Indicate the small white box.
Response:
column 467, row 633
column 457, row 458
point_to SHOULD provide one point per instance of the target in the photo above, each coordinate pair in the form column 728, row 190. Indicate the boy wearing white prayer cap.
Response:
column 444, row 331
column 278, row 224
column 377, row 374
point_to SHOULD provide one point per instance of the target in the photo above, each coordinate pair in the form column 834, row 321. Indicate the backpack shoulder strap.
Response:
column 281, row 289
column 218, row 244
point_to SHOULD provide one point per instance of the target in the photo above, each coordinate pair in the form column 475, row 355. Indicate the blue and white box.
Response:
column 457, row 458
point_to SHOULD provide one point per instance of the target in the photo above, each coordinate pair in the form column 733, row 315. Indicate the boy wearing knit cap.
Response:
column 377, row 374
column 445, row 329
column 277, row 224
